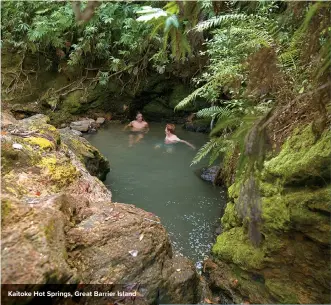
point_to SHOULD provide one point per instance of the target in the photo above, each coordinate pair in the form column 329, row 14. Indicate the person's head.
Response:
column 139, row 117
column 170, row 128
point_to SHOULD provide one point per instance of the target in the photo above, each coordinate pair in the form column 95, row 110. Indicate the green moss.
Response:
column 12, row 158
column 275, row 214
column 274, row 243
column 269, row 189
column 230, row 218
column 312, row 223
column 229, row 167
column 282, row 291
column 41, row 142
column 49, row 230
column 60, row 117
column 302, row 159
column 72, row 103
column 234, row 246
column 302, row 211
column 5, row 209
column 234, row 190
column 319, row 200
column 61, row 173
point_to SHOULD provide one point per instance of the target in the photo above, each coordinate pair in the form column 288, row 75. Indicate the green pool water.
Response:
column 162, row 181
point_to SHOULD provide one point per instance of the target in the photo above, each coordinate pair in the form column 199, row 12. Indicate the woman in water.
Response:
column 171, row 138
column 138, row 128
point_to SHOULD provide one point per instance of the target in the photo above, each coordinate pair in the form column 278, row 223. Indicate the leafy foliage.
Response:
column 112, row 39
column 240, row 41
column 175, row 19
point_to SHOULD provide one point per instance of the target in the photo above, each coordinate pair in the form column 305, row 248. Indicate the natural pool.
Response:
column 165, row 184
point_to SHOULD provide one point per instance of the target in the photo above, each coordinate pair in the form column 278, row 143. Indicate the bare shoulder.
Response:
column 145, row 124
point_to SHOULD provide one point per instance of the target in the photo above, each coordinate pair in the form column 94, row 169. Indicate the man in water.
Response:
column 138, row 128
column 171, row 138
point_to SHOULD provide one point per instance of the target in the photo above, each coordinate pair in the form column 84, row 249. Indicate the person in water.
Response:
column 171, row 138
column 138, row 128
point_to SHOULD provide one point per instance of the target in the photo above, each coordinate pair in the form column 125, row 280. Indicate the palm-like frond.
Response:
column 189, row 99
column 217, row 20
column 230, row 122
column 214, row 111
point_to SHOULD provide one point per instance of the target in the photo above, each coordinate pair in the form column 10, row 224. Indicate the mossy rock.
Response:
column 94, row 161
column 309, row 213
column 72, row 102
column 275, row 214
column 302, row 160
column 234, row 189
column 234, row 246
column 39, row 124
column 230, row 218
column 269, row 189
column 12, row 158
column 229, row 170
column 284, row 292
column 157, row 111
column 43, row 143
column 59, row 117
column 6, row 208
column 60, row 172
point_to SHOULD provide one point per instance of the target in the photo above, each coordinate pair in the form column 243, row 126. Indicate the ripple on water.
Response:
column 164, row 184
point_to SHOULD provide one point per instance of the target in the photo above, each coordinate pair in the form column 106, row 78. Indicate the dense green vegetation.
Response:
column 257, row 71
column 261, row 61
column 260, row 54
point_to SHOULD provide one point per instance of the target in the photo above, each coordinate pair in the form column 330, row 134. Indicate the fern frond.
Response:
column 246, row 124
column 214, row 111
column 205, row 150
column 217, row 20
column 289, row 58
column 229, row 122
column 187, row 100
column 209, row 147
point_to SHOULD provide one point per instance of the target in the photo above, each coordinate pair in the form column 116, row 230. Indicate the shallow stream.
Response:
column 161, row 181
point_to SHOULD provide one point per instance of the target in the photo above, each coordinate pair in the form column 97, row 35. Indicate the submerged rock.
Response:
column 209, row 173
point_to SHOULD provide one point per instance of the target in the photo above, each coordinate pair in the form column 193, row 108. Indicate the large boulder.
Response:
column 34, row 243
column 95, row 163
column 59, row 224
column 83, row 125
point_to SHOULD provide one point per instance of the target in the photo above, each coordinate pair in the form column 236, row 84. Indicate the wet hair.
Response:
column 171, row 127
